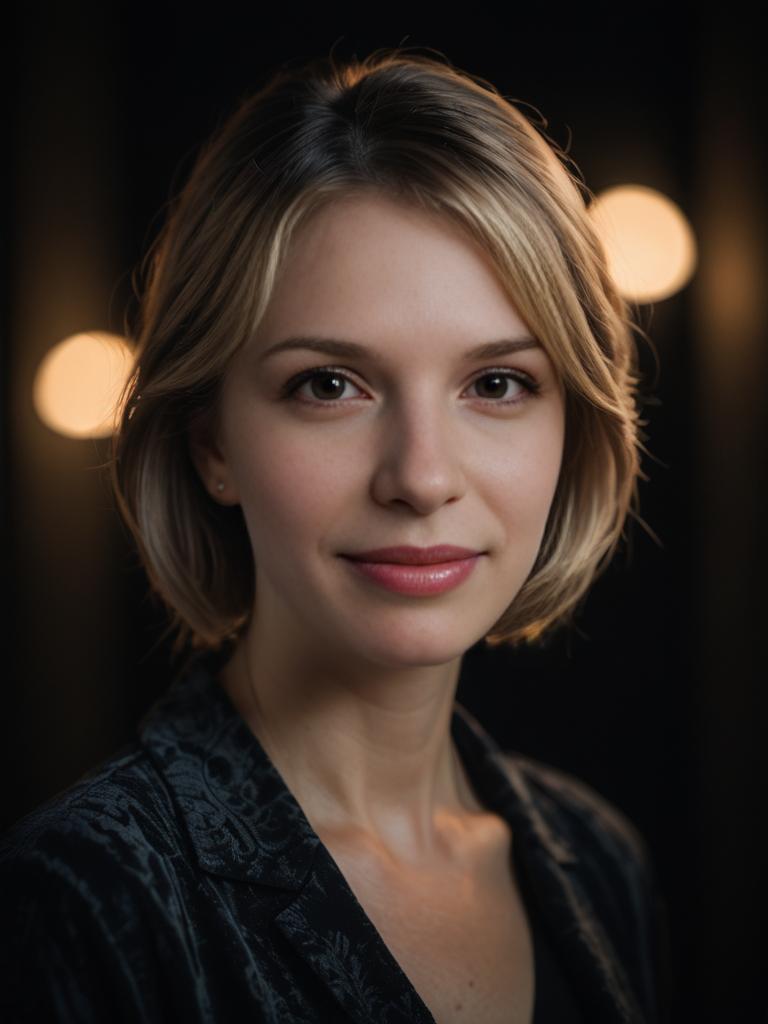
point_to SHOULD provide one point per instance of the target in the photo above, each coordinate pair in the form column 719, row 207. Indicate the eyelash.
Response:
column 289, row 389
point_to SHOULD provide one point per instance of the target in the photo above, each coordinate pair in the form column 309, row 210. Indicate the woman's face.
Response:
column 410, row 442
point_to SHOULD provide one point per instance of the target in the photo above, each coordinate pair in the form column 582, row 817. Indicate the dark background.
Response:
column 654, row 698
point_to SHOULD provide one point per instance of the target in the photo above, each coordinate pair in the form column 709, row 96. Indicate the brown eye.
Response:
column 326, row 386
column 493, row 386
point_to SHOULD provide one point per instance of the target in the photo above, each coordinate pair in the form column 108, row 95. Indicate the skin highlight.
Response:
column 349, row 686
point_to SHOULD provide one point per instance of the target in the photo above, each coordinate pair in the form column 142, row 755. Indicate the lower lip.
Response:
column 417, row 580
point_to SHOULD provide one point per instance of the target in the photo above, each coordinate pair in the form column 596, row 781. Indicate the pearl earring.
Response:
column 219, row 486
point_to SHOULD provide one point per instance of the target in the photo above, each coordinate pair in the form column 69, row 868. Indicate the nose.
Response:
column 419, row 462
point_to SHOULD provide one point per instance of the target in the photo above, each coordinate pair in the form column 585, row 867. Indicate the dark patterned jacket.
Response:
column 181, row 881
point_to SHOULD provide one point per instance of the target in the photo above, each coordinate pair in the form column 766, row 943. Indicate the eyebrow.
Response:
column 351, row 349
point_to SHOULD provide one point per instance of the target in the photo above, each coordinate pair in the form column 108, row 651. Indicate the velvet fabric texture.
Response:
column 181, row 881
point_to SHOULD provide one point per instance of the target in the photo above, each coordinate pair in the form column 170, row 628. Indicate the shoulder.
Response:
column 613, row 865
column 581, row 814
column 118, row 817
column 81, row 883
column 609, row 857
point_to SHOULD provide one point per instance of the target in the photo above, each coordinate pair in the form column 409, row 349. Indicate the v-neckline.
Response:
column 478, row 776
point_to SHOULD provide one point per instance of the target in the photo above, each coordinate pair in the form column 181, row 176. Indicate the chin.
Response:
column 414, row 645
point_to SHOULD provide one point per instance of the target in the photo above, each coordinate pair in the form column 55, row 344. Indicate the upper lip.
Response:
column 415, row 556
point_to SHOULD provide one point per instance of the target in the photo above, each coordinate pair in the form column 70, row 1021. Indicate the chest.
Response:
column 461, row 937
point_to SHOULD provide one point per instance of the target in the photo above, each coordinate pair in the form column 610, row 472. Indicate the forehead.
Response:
column 375, row 265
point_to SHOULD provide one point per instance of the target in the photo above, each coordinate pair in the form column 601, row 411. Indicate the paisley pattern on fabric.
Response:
column 180, row 880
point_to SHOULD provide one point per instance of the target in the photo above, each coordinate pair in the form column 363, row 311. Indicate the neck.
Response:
column 368, row 755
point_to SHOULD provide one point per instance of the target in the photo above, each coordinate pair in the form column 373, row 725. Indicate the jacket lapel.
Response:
column 555, row 872
column 245, row 824
column 352, row 960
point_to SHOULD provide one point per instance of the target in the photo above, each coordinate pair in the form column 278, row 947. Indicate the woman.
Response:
column 383, row 408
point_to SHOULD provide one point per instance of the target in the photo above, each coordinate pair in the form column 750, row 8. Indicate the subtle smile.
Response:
column 415, row 579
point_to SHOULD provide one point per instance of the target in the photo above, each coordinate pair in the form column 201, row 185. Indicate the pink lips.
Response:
column 416, row 571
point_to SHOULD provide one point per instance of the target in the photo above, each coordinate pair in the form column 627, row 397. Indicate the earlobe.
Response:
column 209, row 463
column 219, row 491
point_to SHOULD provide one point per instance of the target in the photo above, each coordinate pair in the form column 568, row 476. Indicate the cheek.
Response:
column 288, row 489
column 526, row 486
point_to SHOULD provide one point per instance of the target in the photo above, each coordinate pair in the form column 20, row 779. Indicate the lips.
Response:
column 408, row 555
column 416, row 579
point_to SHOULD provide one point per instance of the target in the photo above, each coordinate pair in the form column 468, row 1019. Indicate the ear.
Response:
column 209, row 461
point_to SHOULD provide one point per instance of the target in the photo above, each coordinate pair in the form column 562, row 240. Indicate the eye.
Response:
column 499, row 381
column 328, row 383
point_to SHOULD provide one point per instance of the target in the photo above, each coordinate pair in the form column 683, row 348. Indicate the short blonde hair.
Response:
column 417, row 129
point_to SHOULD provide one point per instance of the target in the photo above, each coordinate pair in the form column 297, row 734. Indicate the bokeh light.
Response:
column 78, row 383
column 649, row 244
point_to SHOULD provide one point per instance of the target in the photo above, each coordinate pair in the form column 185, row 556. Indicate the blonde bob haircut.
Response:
column 417, row 129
